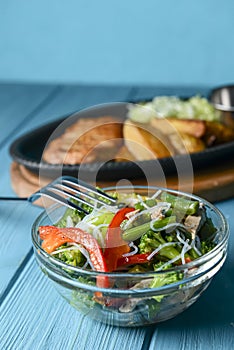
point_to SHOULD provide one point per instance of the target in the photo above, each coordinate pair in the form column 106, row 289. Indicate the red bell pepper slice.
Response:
column 54, row 237
column 133, row 260
column 115, row 246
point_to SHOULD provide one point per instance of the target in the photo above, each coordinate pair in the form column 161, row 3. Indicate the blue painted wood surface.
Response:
column 32, row 315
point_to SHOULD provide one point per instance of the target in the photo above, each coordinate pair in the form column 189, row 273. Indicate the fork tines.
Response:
column 66, row 188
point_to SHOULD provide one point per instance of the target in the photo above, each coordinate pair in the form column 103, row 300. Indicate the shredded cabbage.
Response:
column 170, row 106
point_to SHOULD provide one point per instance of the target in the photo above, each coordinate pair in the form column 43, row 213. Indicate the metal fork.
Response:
column 65, row 188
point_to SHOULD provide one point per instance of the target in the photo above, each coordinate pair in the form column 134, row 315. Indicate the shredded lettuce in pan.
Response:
column 170, row 106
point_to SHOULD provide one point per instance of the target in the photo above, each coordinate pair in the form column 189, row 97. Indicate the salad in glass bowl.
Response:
column 143, row 260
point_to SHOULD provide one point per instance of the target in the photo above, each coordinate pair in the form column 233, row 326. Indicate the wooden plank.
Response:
column 148, row 92
column 16, row 219
column 208, row 324
column 28, row 106
column 41, row 319
column 73, row 98
column 17, row 103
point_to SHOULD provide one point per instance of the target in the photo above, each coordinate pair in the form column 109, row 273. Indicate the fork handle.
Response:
column 13, row 198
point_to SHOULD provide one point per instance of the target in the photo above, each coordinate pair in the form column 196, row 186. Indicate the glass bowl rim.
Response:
column 93, row 273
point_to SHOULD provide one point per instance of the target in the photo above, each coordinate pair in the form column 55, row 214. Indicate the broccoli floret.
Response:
column 75, row 215
column 191, row 253
column 207, row 246
column 164, row 278
column 152, row 240
column 71, row 257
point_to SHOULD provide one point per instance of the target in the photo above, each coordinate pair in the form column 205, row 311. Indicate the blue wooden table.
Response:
column 32, row 315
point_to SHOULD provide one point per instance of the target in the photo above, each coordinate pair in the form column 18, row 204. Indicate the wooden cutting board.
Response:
column 215, row 183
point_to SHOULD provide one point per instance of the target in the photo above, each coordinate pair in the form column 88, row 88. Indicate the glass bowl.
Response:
column 124, row 305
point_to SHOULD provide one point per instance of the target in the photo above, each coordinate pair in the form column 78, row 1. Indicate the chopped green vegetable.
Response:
column 180, row 204
column 164, row 278
column 136, row 232
column 153, row 240
column 146, row 203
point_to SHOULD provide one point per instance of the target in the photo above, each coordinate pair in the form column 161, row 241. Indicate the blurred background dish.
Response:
column 24, row 150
